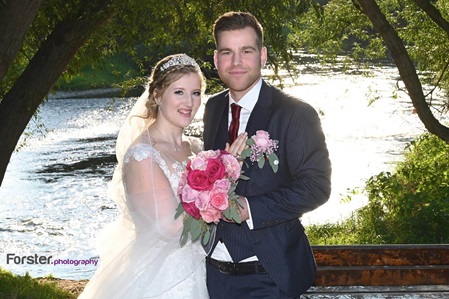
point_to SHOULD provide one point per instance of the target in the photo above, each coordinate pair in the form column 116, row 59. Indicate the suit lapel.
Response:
column 258, row 120
column 218, row 131
column 261, row 113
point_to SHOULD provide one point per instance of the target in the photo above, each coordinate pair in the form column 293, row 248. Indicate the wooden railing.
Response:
column 383, row 267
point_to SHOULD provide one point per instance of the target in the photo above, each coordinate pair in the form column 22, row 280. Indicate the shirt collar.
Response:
column 249, row 100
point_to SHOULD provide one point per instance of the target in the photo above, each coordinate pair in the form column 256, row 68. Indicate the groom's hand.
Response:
column 243, row 211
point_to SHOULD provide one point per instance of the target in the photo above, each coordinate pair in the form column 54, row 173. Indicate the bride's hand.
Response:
column 238, row 145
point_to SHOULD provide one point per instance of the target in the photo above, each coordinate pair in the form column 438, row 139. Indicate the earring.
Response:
column 157, row 101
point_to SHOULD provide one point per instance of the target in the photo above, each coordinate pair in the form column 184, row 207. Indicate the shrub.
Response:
column 25, row 287
column 409, row 205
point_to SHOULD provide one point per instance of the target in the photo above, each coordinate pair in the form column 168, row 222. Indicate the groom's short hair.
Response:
column 235, row 20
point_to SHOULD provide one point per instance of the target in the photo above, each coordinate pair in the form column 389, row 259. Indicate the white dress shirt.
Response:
column 247, row 102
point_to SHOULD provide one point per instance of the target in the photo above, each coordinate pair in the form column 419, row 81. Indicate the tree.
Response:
column 43, row 40
column 415, row 33
column 21, row 99
column 404, row 63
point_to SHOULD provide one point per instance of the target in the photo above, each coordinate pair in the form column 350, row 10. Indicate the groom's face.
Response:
column 239, row 60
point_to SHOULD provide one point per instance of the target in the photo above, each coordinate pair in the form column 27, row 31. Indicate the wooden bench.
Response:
column 389, row 271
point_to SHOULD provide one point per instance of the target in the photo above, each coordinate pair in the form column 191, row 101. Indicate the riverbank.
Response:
column 74, row 287
column 96, row 93
column 26, row 286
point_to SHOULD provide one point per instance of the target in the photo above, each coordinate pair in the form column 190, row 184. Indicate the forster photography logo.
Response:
column 12, row 258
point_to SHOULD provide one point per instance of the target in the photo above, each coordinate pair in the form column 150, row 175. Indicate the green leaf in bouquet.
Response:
column 233, row 196
column 250, row 141
column 261, row 162
column 243, row 177
column 239, row 201
column 235, row 216
column 227, row 213
column 246, row 153
column 185, row 230
column 232, row 188
column 187, row 221
column 206, row 237
column 195, row 229
column 179, row 210
column 184, row 238
column 274, row 162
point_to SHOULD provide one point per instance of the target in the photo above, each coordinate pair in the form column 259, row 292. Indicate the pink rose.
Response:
column 198, row 180
column 210, row 154
column 219, row 200
column 222, row 185
column 192, row 210
column 198, row 163
column 202, row 200
column 211, row 215
column 215, row 170
column 262, row 139
column 232, row 166
column 188, row 194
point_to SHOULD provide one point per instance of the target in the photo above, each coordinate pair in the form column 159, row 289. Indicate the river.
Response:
column 53, row 197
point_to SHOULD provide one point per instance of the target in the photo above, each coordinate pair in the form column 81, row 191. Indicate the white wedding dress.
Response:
column 140, row 255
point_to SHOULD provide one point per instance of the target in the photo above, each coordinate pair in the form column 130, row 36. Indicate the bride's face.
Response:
column 181, row 100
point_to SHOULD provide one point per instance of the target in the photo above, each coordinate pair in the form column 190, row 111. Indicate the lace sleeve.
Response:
column 149, row 195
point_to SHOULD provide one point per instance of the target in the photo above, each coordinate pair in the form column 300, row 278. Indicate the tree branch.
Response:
column 406, row 68
column 16, row 17
column 433, row 13
column 44, row 69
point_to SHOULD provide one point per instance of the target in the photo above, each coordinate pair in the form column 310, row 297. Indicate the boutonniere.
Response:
column 261, row 148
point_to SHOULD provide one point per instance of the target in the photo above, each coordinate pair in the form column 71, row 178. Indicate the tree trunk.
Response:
column 433, row 13
column 16, row 17
column 44, row 69
column 406, row 68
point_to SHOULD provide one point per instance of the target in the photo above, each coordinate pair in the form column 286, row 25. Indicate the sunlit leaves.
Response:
column 407, row 205
column 342, row 28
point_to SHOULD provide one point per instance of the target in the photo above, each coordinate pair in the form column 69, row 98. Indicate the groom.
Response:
column 267, row 255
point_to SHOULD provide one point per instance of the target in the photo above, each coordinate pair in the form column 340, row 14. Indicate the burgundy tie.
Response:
column 234, row 127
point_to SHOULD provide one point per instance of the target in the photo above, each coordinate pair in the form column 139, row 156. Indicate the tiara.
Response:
column 181, row 59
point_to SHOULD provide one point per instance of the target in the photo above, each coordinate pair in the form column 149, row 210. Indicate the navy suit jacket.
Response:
column 276, row 200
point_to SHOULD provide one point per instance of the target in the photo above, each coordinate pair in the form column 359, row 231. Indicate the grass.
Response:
column 25, row 287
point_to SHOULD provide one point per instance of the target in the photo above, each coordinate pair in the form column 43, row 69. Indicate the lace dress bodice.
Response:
column 145, row 259
column 144, row 151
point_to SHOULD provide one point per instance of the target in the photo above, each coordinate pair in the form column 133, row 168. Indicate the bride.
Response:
column 140, row 253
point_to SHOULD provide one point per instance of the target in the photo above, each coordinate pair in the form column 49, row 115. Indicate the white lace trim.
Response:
column 144, row 151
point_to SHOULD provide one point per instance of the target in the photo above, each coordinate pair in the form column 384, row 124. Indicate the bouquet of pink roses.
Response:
column 207, row 192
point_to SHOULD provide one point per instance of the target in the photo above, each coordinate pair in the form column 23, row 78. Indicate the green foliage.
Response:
column 25, row 287
column 336, row 28
column 116, row 70
column 339, row 27
column 427, row 43
column 412, row 204
column 332, row 233
column 149, row 30
column 409, row 205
